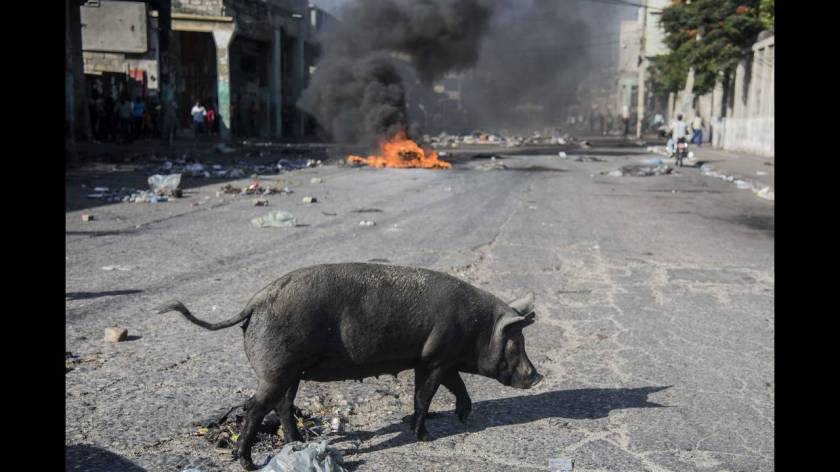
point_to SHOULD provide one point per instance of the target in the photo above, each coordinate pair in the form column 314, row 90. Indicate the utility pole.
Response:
column 640, row 100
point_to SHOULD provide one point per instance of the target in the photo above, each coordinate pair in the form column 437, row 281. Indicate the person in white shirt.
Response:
column 697, row 128
column 679, row 130
column 198, row 113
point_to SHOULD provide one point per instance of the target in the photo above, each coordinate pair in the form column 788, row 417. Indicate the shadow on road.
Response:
column 88, row 295
column 588, row 403
column 87, row 458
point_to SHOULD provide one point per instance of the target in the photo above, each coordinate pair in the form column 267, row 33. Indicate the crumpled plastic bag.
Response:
column 275, row 219
column 309, row 457
column 164, row 184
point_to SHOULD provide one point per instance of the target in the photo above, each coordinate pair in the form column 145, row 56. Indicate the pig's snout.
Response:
column 527, row 381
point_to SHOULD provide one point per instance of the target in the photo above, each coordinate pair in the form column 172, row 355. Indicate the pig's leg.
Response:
column 463, row 405
column 268, row 394
column 285, row 409
column 426, row 383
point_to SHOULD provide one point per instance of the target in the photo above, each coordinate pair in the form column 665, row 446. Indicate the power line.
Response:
column 623, row 3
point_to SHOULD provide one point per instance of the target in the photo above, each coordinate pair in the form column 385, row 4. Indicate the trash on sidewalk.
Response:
column 223, row 148
column 299, row 457
column 287, row 164
column 165, row 185
column 367, row 223
column 87, row 217
column 228, row 188
column 766, row 193
column 335, row 424
column 760, row 172
column 562, row 154
column 195, row 169
column 742, row 184
column 115, row 335
column 316, row 180
column 590, row 159
column 275, row 219
column 310, row 200
column 261, row 202
column 254, row 186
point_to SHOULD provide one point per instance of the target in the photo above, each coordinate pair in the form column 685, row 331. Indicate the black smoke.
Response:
column 357, row 92
column 540, row 59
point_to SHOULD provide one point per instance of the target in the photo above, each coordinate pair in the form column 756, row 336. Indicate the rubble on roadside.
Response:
column 545, row 137
column 640, row 170
column 237, row 170
column 589, row 159
column 316, row 421
column 114, row 334
column 759, row 189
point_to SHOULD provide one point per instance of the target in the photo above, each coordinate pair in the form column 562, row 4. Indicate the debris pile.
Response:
column 314, row 422
column 235, row 171
column 761, row 190
column 640, row 170
column 297, row 456
column 446, row 140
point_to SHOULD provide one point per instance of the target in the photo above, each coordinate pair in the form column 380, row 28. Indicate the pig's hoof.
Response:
column 463, row 410
column 293, row 436
column 424, row 436
column 247, row 463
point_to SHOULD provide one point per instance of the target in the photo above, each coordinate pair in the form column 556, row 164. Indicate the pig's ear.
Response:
column 515, row 322
column 524, row 305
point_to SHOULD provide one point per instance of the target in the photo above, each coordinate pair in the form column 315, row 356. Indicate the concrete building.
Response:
column 251, row 59
column 627, row 79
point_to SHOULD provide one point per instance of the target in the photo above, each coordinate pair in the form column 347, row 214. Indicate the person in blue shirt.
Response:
column 138, row 112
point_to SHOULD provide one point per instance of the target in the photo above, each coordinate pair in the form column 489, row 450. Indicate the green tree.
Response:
column 767, row 14
column 711, row 36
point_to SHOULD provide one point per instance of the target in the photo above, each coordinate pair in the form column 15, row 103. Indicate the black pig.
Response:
column 351, row 321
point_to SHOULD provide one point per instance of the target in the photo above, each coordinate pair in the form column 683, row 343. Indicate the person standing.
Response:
column 697, row 130
column 210, row 119
column 138, row 113
column 170, row 122
column 198, row 113
column 124, row 109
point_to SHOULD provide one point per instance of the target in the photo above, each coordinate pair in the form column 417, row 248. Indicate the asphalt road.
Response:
column 654, row 327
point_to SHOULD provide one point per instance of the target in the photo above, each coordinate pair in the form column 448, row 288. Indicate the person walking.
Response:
column 697, row 130
column 198, row 113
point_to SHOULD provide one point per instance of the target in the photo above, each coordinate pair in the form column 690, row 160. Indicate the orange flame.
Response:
column 402, row 153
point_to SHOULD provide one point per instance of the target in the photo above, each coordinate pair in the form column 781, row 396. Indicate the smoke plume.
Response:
column 539, row 60
column 357, row 92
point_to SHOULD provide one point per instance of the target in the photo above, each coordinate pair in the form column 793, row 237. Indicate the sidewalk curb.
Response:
column 760, row 189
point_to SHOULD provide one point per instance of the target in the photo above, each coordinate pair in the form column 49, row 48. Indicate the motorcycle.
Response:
column 681, row 151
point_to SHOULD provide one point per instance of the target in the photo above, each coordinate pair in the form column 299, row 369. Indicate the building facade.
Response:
column 248, row 59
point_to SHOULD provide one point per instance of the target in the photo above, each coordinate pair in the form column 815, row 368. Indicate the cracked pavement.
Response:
column 654, row 329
